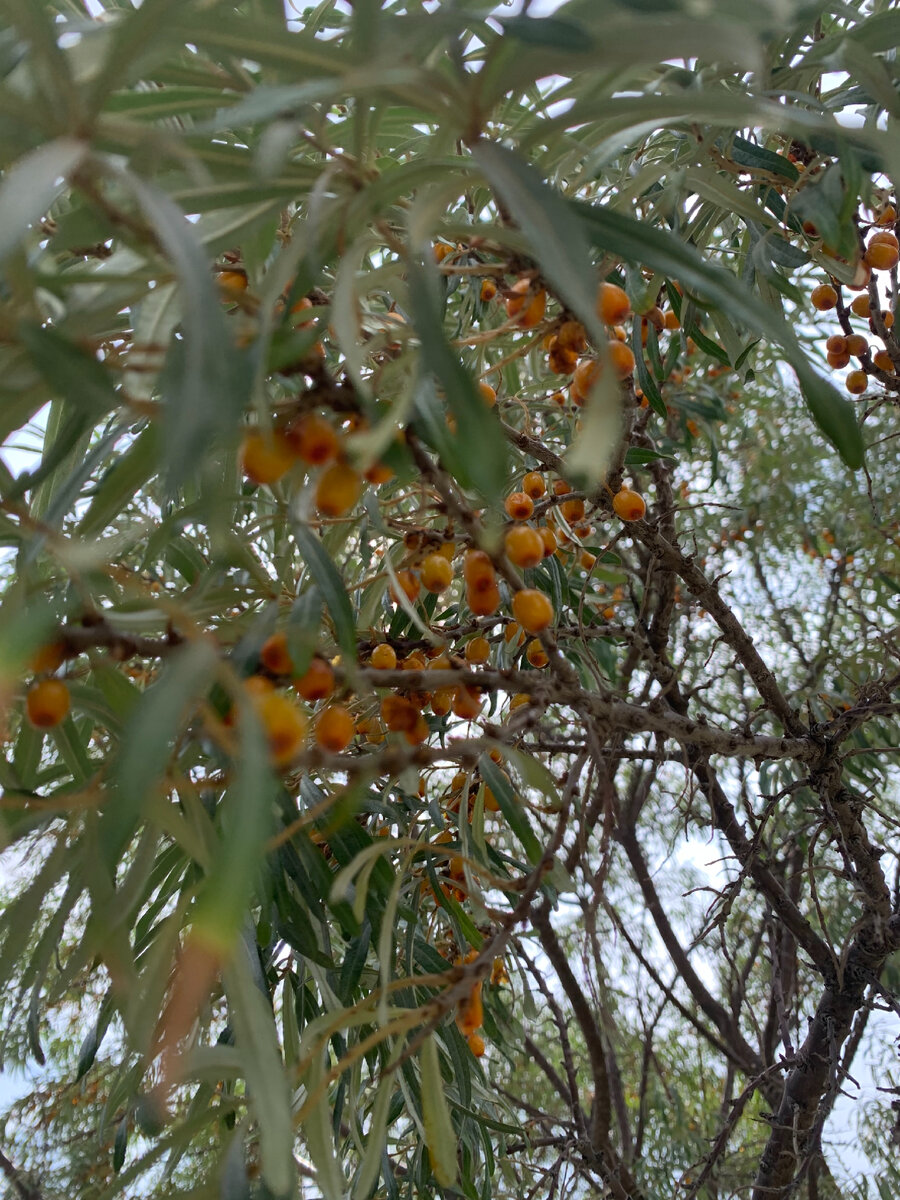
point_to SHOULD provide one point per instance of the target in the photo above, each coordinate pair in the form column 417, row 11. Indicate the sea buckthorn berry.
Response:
column 47, row 703
column 478, row 571
column 628, row 505
column 823, row 297
column 437, row 573
column 338, row 490
column 856, row 382
column 520, row 700
column 861, row 277
column 409, row 585
column 524, row 546
column 383, row 657
column 232, row 281
column 317, row 681
column 478, row 651
column 378, row 473
column 532, row 609
column 836, row 344
column 274, row 655
column 334, row 728
column 859, row 306
column 572, row 510
column 536, row 654
column 857, row 345
column 529, row 312
column 441, row 251
column 441, row 701
column 414, row 661
column 298, row 307
column 313, row 439
column 266, row 459
column 882, row 359
column 571, row 336
column 562, row 360
column 587, row 559
column 488, row 394
column 466, row 704
column 513, row 633
column 882, row 252
column 533, row 485
column 671, row 320
column 475, row 1042
column 285, row 726
column 838, row 361
column 561, row 488
column 622, row 359
column 484, row 603
column 586, row 375
column 519, row 506
column 399, row 714
column 548, row 537
column 488, row 290
column 887, row 318
column 613, row 305
column 48, row 657
column 887, row 215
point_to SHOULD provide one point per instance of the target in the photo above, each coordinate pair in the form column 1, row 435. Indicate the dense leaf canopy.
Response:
column 449, row 655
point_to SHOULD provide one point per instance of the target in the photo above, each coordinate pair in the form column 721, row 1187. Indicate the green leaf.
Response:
column 330, row 585
column 440, row 1136
column 510, row 806
column 29, row 188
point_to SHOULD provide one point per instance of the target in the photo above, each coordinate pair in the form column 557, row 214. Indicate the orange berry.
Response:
column 859, row 305
column 572, row 510
column 47, row 703
column 882, row 256
column 513, row 633
column 441, row 250
column 836, row 344
column 586, row 375
column 587, row 559
column 671, row 320
column 478, row 571
column 378, row 473
column 478, row 651
column 524, row 546
column 232, row 281
column 338, row 490
column 274, row 655
column 823, row 297
column 313, row 439
column 488, row 290
column 334, row 728
column 409, row 585
column 613, row 305
column 622, row 359
column 548, row 537
column 838, row 361
column 536, row 654
column 399, row 714
column 298, row 307
column 628, row 505
column 520, row 700
column 571, row 336
column 857, row 345
column 882, row 359
column 533, row 485
column 488, row 394
column 519, row 506
column 414, row 661
column 266, row 459
column 48, row 657
column 441, row 701
column 466, row 704
column 887, row 318
column 475, row 1043
column 285, row 726
column 532, row 609
column 530, row 312
column 485, row 602
column 861, row 277
column 383, row 657
column 887, row 216
column 562, row 360
column 856, row 382
column 317, row 681
column 437, row 573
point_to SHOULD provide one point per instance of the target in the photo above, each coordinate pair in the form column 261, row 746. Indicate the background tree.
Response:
column 429, row 517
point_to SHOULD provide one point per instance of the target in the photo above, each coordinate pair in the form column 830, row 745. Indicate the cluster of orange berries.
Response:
column 882, row 253
column 47, row 701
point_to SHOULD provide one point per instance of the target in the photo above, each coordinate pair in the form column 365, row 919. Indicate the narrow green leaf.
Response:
column 29, row 188
column 440, row 1136
column 330, row 584
column 510, row 806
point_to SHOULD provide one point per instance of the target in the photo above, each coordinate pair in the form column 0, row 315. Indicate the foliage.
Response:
column 368, row 850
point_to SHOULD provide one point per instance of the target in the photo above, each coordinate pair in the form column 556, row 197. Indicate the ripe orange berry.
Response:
column 586, row 375
column 48, row 657
column 533, row 485
column 532, row 609
column 823, row 297
column 338, row 490
column 334, row 728
column 409, row 585
column 47, row 703
column 529, row 312
column 384, row 657
column 437, row 573
column 466, row 703
column 441, row 250
column 478, row 571
column 524, row 546
column 548, row 537
column 587, row 559
column 313, row 439
column 671, row 320
column 838, row 361
column 857, row 345
column 520, row 700
column 485, row 602
column 882, row 359
column 488, row 394
column 883, row 251
column 836, row 344
column 399, row 714
column 861, row 277
column 613, row 305
column 562, row 359
column 414, row 661
column 285, row 726
column 488, row 290
column 571, row 336
column 232, row 281
column 475, row 1043
column 856, row 382
column 887, row 318
column 378, row 473
column 478, row 651
column 860, row 306
column 536, row 654
column 628, row 505
column 887, row 216
column 519, row 506
column 441, row 701
column 513, row 633
column 572, row 510
column 317, row 682
column 274, row 655
column 621, row 358
column 266, row 459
